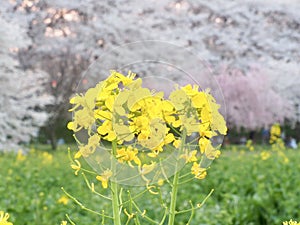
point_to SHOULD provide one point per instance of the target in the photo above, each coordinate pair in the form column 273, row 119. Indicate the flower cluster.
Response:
column 277, row 144
column 144, row 124
column 275, row 133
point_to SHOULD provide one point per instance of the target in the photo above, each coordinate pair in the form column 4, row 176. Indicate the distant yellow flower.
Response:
column 291, row 222
column 104, row 178
column 63, row 200
column 32, row 151
column 47, row 157
column 275, row 133
column 76, row 166
column 3, row 218
column 160, row 182
column 20, row 156
column 249, row 145
column 64, row 222
column 265, row 155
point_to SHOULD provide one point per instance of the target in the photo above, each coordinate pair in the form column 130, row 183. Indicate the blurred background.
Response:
column 252, row 48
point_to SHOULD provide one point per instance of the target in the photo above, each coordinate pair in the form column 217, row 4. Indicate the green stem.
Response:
column 83, row 206
column 114, row 188
column 174, row 191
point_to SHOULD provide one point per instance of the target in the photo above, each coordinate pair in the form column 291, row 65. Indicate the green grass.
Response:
column 248, row 190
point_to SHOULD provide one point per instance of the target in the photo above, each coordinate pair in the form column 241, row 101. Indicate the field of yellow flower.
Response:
column 251, row 186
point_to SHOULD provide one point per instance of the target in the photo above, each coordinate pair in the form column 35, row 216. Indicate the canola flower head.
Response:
column 146, row 126
column 275, row 133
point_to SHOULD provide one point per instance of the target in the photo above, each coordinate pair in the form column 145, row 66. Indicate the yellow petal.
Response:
column 78, row 155
column 72, row 126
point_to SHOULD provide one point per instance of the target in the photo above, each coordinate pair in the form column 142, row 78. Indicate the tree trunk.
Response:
column 53, row 138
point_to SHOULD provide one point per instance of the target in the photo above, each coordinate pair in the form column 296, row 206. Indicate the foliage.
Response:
column 248, row 190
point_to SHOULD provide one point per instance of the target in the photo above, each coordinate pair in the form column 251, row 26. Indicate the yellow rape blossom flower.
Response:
column 179, row 99
column 205, row 131
column 76, row 166
column 63, row 200
column 169, row 138
column 218, row 122
column 3, row 218
column 156, row 136
column 104, row 178
column 206, row 148
column 90, row 148
column 249, row 145
column 87, row 100
column 265, row 155
column 189, row 156
column 177, row 143
column 203, row 144
column 106, row 129
column 199, row 100
column 191, row 90
column 83, row 118
column 275, row 133
column 200, row 173
column 128, row 155
column 63, row 222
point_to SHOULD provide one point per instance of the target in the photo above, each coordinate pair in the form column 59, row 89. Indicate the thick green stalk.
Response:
column 175, row 186
column 114, row 189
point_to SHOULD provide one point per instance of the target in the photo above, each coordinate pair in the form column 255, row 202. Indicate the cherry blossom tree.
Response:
column 22, row 97
column 250, row 100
